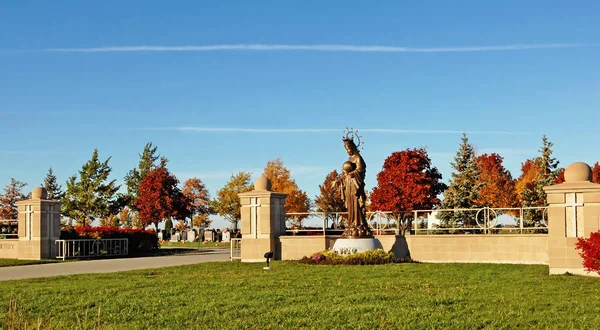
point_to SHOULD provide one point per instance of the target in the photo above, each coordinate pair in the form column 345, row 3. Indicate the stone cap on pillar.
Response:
column 262, row 184
column 578, row 177
column 39, row 193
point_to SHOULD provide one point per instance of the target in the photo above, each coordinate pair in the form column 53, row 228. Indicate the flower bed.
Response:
column 373, row 257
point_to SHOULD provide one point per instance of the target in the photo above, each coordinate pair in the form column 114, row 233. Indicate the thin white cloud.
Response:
column 317, row 48
column 324, row 130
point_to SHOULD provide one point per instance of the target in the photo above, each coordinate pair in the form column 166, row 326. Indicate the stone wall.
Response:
column 516, row 249
column 9, row 248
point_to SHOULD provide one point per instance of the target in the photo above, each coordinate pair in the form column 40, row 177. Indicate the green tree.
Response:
column 227, row 204
column 91, row 195
column 463, row 191
column 12, row 194
column 168, row 227
column 134, row 177
column 54, row 190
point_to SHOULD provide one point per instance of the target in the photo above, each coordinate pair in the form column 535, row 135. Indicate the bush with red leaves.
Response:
column 590, row 252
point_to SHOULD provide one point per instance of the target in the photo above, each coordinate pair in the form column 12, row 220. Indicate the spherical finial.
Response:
column 39, row 193
column 578, row 172
column 263, row 184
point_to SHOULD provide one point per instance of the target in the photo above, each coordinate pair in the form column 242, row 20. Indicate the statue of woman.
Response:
column 352, row 188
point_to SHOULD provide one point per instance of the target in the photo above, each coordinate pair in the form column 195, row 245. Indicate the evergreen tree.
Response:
column 536, row 174
column 168, row 227
column 134, row 177
column 463, row 191
column 54, row 190
column 90, row 196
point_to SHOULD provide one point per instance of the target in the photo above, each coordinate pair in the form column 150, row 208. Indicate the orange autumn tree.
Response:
column 329, row 200
column 198, row 198
column 526, row 182
column 407, row 182
column 297, row 201
column 497, row 185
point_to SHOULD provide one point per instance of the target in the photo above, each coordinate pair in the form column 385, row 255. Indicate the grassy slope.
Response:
column 235, row 295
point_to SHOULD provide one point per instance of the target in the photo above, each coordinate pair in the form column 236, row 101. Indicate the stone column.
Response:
column 262, row 221
column 39, row 226
column 573, row 212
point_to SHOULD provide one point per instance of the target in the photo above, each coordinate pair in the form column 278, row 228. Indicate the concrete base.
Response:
column 345, row 246
column 574, row 271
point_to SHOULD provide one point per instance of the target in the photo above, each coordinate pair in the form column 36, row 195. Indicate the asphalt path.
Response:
column 110, row 265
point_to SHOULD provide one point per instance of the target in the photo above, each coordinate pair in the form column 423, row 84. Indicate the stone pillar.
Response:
column 262, row 221
column 573, row 212
column 39, row 226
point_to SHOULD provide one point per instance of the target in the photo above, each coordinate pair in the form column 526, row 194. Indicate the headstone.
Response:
column 208, row 236
column 191, row 236
column 175, row 238
column 160, row 235
column 226, row 236
column 184, row 235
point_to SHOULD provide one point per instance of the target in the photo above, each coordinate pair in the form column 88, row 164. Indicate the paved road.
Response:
column 109, row 265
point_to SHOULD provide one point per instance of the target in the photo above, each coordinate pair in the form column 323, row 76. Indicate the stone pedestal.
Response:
column 262, row 221
column 39, row 226
column 345, row 246
column 573, row 212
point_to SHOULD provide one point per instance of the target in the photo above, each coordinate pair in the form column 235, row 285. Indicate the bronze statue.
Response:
column 352, row 188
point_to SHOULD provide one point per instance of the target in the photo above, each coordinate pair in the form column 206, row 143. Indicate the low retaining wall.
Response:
column 515, row 249
column 9, row 248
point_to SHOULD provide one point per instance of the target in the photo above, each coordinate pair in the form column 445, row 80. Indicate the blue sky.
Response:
column 228, row 86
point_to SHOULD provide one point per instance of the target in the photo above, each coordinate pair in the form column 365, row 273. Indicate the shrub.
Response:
column 372, row 257
column 140, row 240
column 590, row 252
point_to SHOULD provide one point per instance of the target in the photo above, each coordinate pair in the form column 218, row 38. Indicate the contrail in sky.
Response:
column 324, row 130
column 316, row 48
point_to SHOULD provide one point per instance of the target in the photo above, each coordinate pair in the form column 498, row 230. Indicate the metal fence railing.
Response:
column 236, row 249
column 484, row 220
column 9, row 229
column 91, row 248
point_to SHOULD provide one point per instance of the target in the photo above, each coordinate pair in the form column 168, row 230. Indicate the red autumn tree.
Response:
column 407, row 182
column 160, row 198
column 560, row 178
column 497, row 186
column 596, row 173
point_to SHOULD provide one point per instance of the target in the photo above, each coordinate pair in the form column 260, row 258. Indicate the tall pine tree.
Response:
column 91, row 195
column 54, row 190
column 134, row 177
column 531, row 192
column 463, row 191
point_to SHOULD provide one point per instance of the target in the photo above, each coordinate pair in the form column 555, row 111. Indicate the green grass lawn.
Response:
column 232, row 295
